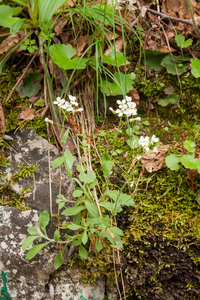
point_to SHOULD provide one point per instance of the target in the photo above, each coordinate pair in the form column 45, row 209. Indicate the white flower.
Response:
column 48, row 121
column 131, row 104
column 120, row 112
column 138, row 157
column 131, row 111
column 128, row 99
column 144, row 141
column 131, row 184
column 72, row 98
column 59, row 101
column 146, row 149
column 67, row 106
column 122, row 104
column 154, row 139
column 79, row 109
column 136, row 119
column 155, row 150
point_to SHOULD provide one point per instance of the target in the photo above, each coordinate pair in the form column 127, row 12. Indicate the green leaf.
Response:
column 34, row 231
column 84, row 143
column 146, row 123
column 6, row 13
column 71, row 211
column 122, row 84
column 195, row 64
column 189, row 161
column 74, row 227
column 34, row 251
column 87, row 178
column 92, row 184
column 180, row 40
column 163, row 102
column 189, row 145
column 98, row 244
column 81, row 168
column 69, row 160
column 107, row 164
column 133, row 142
column 82, row 252
column 58, row 261
column 31, row 85
column 40, row 103
column 173, row 98
column 15, row 27
column 77, row 219
column 108, row 206
column 58, row 161
column 170, row 62
column 77, row 240
column 61, row 205
column 46, row 10
column 77, row 193
column 61, row 54
column 84, row 237
column 56, row 235
column 114, row 58
column 92, row 209
column 172, row 162
column 154, row 59
column 65, row 136
column 116, row 230
column 44, row 220
column 28, row 242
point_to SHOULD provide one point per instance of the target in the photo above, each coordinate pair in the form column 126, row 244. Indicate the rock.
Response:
column 30, row 149
column 36, row 278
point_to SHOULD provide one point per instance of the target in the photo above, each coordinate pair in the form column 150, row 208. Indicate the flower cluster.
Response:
column 66, row 105
column 145, row 141
column 126, row 107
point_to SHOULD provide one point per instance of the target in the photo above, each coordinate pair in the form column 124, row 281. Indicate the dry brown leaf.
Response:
column 176, row 8
column 80, row 45
column 34, row 99
column 27, row 114
column 55, row 71
column 135, row 96
column 60, row 25
column 154, row 159
column 2, row 120
column 11, row 41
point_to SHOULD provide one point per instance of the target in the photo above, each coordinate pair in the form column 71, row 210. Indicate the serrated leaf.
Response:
column 58, row 261
column 189, row 161
column 82, row 252
column 92, row 209
column 189, row 145
column 77, row 193
column 195, row 64
column 61, row 55
column 58, row 161
column 87, row 178
column 122, row 84
column 173, row 98
column 114, row 58
column 56, row 235
column 170, row 62
column 180, row 40
column 44, row 220
column 34, row 250
column 28, row 242
column 153, row 59
column 72, row 211
column 84, row 237
column 163, row 102
column 172, row 162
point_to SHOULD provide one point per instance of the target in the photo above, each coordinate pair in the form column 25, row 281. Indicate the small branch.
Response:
column 154, row 12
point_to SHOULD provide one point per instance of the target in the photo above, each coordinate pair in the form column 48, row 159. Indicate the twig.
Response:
column 154, row 12
column 24, row 73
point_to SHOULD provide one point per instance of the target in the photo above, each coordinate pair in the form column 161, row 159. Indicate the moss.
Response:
column 24, row 172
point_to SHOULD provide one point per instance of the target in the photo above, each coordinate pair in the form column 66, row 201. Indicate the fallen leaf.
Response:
column 154, row 159
column 60, row 25
column 11, row 41
column 135, row 96
column 27, row 114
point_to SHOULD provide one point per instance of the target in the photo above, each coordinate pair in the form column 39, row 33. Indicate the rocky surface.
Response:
column 30, row 149
column 36, row 279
